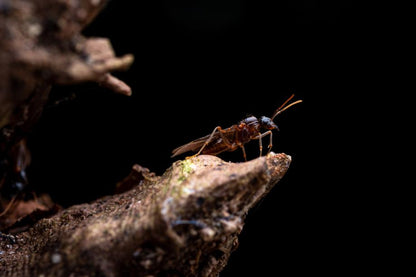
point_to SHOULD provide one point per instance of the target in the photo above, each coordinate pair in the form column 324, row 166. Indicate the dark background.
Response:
column 199, row 64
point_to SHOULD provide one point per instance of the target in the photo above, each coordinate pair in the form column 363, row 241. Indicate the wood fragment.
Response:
column 36, row 52
column 183, row 223
column 41, row 45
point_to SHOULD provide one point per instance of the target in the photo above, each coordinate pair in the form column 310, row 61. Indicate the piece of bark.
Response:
column 183, row 223
column 41, row 45
column 21, row 214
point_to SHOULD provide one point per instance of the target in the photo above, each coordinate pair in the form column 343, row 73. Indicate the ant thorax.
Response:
column 247, row 129
column 251, row 122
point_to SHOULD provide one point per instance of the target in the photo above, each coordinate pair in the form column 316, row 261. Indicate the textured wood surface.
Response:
column 183, row 223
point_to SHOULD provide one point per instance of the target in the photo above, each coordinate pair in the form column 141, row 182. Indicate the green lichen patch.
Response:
column 187, row 167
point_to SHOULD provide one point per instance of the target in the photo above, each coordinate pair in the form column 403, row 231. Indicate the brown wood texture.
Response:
column 183, row 223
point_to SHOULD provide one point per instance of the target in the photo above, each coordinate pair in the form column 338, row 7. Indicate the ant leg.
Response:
column 206, row 142
column 260, row 144
column 270, row 142
column 244, row 152
column 260, row 136
column 222, row 132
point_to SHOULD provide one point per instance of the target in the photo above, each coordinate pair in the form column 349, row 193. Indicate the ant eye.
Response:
column 265, row 120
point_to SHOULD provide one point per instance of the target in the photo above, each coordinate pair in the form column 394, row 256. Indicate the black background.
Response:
column 199, row 64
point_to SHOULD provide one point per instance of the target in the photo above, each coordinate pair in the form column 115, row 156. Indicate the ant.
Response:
column 236, row 136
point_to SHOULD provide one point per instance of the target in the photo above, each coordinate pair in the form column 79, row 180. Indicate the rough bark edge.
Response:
column 183, row 223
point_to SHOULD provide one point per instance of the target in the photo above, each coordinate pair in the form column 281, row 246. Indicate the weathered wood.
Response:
column 41, row 44
column 183, row 223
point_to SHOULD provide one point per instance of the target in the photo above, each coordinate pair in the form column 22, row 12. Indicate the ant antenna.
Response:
column 283, row 108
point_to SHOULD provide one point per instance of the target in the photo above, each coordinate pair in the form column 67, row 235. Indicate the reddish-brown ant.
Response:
column 236, row 136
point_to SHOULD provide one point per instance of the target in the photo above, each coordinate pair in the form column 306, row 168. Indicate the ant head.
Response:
column 267, row 123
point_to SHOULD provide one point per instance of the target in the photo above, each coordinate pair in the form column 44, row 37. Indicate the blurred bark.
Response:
column 41, row 45
column 183, row 223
